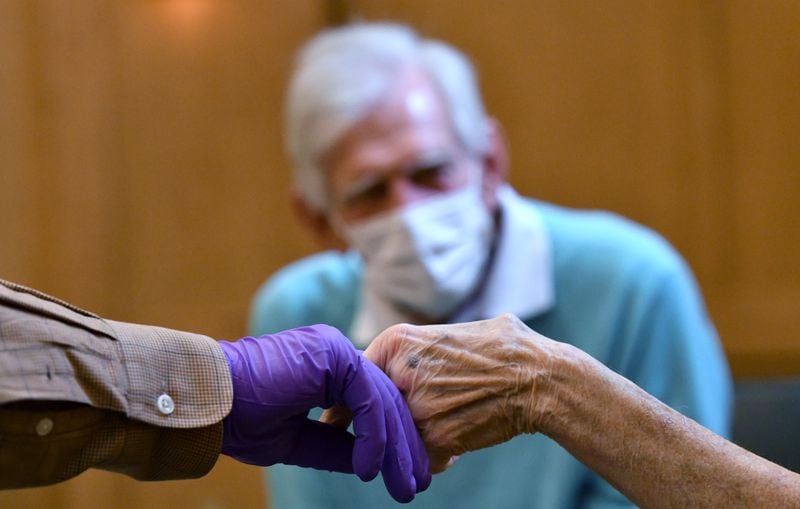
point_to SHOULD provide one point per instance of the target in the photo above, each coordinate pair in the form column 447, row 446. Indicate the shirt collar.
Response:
column 520, row 281
column 521, row 277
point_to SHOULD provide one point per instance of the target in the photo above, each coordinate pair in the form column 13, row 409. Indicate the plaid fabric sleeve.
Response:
column 45, row 442
column 77, row 392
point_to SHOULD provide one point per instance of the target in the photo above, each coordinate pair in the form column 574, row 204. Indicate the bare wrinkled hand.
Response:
column 468, row 386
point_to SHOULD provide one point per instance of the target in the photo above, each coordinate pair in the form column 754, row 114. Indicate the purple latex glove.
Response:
column 278, row 378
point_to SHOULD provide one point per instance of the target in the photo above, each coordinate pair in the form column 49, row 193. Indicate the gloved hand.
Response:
column 278, row 378
column 468, row 385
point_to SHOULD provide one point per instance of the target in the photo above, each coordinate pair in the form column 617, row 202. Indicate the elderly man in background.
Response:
column 396, row 160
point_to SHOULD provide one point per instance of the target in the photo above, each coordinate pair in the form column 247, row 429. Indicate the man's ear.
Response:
column 495, row 163
column 317, row 222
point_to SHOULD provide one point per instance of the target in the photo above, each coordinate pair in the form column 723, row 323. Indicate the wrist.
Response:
column 556, row 382
column 579, row 394
column 229, row 351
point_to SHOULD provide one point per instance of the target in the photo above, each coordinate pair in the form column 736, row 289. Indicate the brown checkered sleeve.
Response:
column 79, row 392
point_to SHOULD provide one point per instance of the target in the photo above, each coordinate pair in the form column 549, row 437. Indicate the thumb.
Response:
column 382, row 350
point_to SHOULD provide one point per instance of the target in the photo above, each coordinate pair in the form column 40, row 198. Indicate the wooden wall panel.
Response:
column 765, row 129
column 142, row 176
column 205, row 202
column 17, row 125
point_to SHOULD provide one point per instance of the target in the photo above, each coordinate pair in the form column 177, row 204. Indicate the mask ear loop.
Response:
column 338, row 224
column 475, row 177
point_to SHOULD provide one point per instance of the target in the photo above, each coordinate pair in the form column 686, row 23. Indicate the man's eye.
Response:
column 368, row 195
column 432, row 176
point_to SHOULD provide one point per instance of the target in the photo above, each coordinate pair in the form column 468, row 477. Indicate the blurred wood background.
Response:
column 142, row 173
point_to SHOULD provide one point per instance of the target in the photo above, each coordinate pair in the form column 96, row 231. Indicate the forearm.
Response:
column 651, row 453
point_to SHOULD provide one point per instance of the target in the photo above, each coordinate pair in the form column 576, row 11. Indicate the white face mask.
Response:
column 427, row 257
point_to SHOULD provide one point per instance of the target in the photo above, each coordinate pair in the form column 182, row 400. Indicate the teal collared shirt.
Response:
column 608, row 286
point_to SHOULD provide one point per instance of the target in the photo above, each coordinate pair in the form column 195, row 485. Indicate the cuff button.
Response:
column 165, row 404
column 44, row 426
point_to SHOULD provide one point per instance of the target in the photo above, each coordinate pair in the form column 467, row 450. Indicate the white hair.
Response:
column 343, row 72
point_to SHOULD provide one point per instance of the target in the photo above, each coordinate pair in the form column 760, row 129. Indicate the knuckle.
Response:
column 394, row 335
column 510, row 320
column 399, row 330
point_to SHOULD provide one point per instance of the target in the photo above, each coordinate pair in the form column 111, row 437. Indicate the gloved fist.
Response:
column 278, row 378
column 469, row 385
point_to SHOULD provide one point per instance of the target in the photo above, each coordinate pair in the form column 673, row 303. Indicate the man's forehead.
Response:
column 421, row 102
column 402, row 129
column 412, row 103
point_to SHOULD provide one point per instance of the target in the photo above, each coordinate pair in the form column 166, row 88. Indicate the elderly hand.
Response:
column 469, row 385
column 278, row 378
